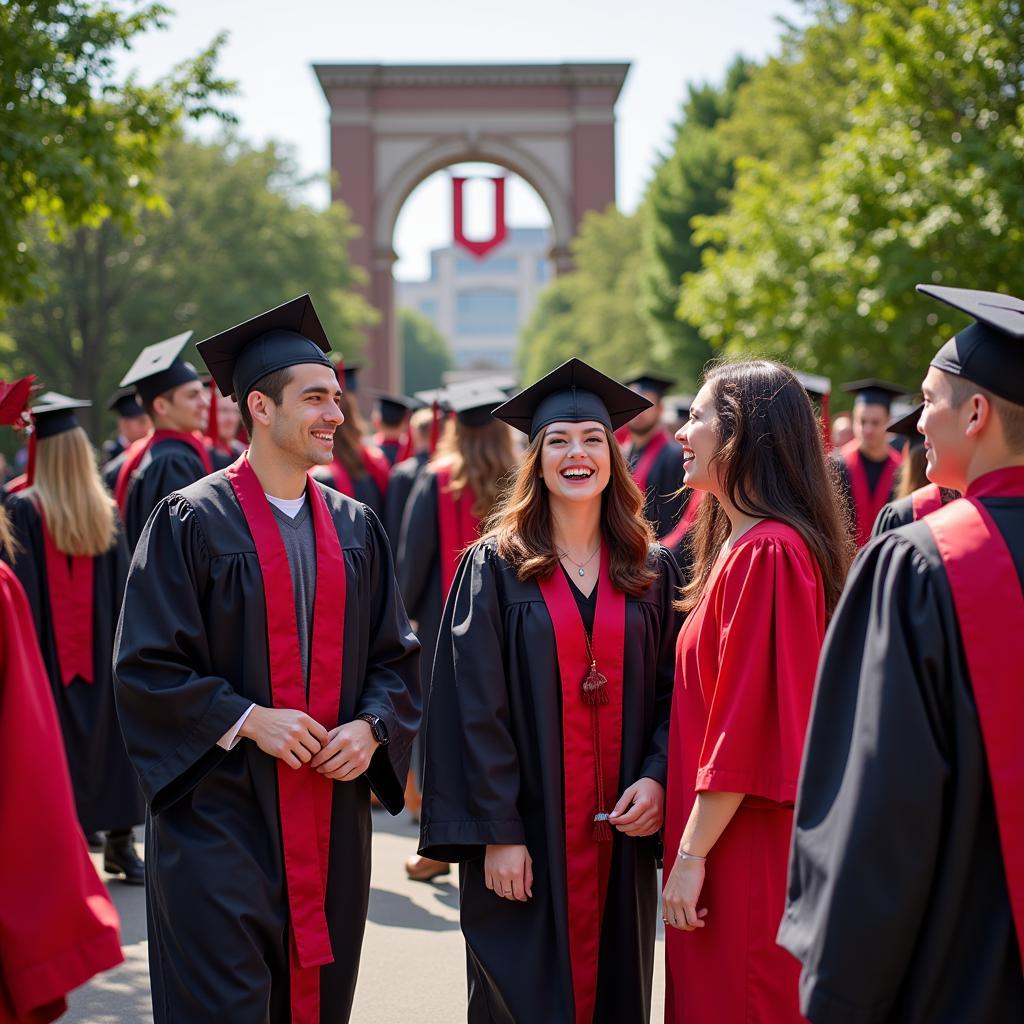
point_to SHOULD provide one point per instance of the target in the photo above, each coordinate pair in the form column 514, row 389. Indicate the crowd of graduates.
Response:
column 624, row 653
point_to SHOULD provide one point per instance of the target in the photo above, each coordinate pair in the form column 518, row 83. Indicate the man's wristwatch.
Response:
column 377, row 727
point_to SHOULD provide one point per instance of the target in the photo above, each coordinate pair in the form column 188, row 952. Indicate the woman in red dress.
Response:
column 771, row 553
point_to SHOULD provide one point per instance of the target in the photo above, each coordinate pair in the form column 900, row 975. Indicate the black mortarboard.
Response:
column 287, row 335
column 159, row 368
column 126, row 405
column 874, row 392
column 54, row 413
column 679, row 405
column 654, row 383
column 988, row 352
column 474, row 405
column 432, row 396
column 906, row 426
column 572, row 393
column 815, row 385
column 351, row 375
column 395, row 408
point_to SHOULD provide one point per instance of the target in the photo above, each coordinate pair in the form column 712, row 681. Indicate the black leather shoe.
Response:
column 95, row 840
column 120, row 858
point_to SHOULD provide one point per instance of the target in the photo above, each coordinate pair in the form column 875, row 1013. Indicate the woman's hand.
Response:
column 508, row 872
column 682, row 890
column 641, row 809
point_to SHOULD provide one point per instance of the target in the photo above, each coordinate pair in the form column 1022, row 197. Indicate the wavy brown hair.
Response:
column 521, row 523
column 348, row 438
column 772, row 465
column 479, row 458
column 912, row 470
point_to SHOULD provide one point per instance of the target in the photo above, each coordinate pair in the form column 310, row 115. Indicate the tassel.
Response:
column 602, row 829
column 595, row 687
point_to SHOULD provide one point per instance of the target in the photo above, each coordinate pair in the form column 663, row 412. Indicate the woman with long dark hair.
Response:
column 547, row 717
column 770, row 556
column 73, row 562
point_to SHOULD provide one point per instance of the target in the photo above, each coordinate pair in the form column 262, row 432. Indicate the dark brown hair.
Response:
column 521, row 523
column 772, row 465
column 272, row 385
column 348, row 438
column 480, row 458
column 912, row 470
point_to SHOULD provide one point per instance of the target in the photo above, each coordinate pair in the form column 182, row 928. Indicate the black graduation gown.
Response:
column 168, row 466
column 106, row 788
column 190, row 658
column 111, row 449
column 494, row 775
column 366, row 490
column 900, row 512
column 111, row 470
column 662, row 506
column 897, row 901
column 400, row 484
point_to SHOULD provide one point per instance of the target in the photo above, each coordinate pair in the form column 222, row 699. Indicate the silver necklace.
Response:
column 581, row 567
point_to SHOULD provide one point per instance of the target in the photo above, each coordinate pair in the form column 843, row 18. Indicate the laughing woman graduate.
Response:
column 770, row 555
column 547, row 721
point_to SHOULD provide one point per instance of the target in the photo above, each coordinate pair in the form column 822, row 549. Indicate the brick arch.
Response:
column 392, row 126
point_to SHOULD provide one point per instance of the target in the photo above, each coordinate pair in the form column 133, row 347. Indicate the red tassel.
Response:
column 595, row 687
column 602, row 831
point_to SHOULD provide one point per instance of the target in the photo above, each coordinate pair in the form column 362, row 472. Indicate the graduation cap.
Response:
column 680, row 405
column 874, row 392
column 989, row 352
column 54, row 413
column 815, row 385
column 572, row 393
column 906, row 426
column 473, row 406
column 287, row 335
column 395, row 408
column 159, row 368
column 654, row 383
column 351, row 376
column 126, row 404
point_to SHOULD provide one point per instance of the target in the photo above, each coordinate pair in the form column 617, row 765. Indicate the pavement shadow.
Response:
column 394, row 910
column 446, row 893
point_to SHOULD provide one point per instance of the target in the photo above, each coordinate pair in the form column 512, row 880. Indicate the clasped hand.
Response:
column 342, row 753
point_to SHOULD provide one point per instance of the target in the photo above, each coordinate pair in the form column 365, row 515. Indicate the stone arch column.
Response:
column 394, row 126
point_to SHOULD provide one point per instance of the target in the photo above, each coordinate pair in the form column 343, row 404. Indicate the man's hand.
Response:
column 347, row 752
column 508, row 872
column 641, row 808
column 290, row 736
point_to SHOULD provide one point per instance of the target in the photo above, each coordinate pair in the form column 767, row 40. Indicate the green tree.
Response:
column 234, row 239
column 693, row 179
column 921, row 182
column 425, row 351
column 592, row 311
column 78, row 146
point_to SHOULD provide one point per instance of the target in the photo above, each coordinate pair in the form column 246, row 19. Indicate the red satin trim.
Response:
column 136, row 452
column 925, row 500
column 867, row 503
column 377, row 466
column 19, row 483
column 645, row 463
column 69, row 580
column 990, row 611
column 999, row 483
column 686, row 520
column 405, row 449
column 30, row 468
column 304, row 797
column 342, row 478
column 457, row 527
column 588, row 862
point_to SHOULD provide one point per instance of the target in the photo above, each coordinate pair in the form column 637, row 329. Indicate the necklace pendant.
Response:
column 582, row 571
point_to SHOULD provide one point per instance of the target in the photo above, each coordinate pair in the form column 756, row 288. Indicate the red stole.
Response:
column 342, row 478
column 686, row 520
column 457, row 527
column 645, row 463
column 69, row 580
column 925, row 500
column 990, row 611
column 304, row 797
column 867, row 503
column 377, row 466
column 591, row 782
column 137, row 452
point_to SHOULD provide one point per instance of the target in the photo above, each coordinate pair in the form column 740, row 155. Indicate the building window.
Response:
column 543, row 271
column 467, row 266
column 487, row 311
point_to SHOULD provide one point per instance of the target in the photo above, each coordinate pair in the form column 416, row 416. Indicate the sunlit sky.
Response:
column 272, row 46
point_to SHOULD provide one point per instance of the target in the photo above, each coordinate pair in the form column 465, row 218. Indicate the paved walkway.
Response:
column 413, row 966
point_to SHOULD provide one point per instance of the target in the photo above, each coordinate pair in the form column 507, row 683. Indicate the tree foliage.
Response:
column 232, row 239
column 77, row 145
column 919, row 180
column 425, row 351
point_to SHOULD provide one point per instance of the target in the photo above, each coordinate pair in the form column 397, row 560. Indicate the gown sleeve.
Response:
column 770, row 610
column 391, row 687
column 419, row 543
column 171, row 707
column 29, row 560
column 471, row 772
column 399, row 488
column 655, row 764
column 164, row 475
column 667, row 479
column 874, row 774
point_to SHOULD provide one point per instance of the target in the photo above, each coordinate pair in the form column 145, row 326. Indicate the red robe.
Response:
column 57, row 925
column 745, row 666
